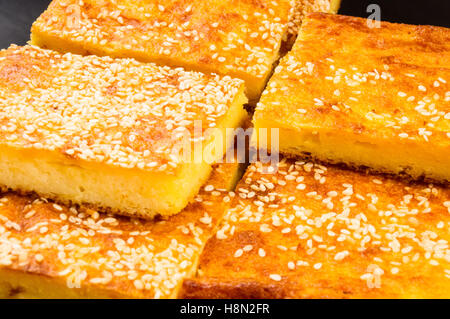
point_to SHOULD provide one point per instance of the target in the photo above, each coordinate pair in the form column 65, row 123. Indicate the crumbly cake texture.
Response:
column 114, row 116
column 389, row 110
column 311, row 231
column 237, row 38
column 54, row 251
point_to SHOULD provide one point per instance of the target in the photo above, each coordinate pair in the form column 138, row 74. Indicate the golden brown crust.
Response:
column 221, row 288
column 394, row 100
column 400, row 90
column 105, row 255
column 310, row 231
column 239, row 38
column 301, row 8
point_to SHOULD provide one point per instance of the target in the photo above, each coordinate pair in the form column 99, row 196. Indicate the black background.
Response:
column 16, row 16
column 170, row 309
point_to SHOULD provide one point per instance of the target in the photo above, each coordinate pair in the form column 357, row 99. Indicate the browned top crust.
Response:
column 310, row 231
column 226, row 35
column 105, row 254
column 240, row 38
column 102, row 110
column 391, row 82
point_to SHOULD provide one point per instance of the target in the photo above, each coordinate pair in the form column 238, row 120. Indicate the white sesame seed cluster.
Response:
column 118, row 256
column 309, row 218
column 238, row 38
column 98, row 109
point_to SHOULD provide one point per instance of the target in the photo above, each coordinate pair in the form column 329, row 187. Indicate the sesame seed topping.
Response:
column 88, row 108
column 85, row 249
column 376, row 226
column 242, row 43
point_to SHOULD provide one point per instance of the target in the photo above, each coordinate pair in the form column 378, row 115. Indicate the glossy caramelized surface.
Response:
column 311, row 231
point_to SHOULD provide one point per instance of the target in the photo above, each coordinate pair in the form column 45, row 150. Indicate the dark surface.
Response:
column 432, row 12
column 16, row 16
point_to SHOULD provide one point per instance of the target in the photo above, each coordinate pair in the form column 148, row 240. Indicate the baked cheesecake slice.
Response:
column 241, row 39
column 314, row 231
column 113, row 133
column 49, row 250
column 370, row 97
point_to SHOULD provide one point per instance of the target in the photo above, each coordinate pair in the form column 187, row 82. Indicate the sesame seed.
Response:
column 275, row 277
column 261, row 252
column 57, row 207
column 238, row 253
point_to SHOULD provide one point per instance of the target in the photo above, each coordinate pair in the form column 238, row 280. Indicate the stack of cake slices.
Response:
column 118, row 122
column 359, row 204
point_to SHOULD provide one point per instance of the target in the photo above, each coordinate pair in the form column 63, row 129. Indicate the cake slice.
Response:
column 241, row 39
column 370, row 97
column 314, row 231
column 55, row 251
column 112, row 133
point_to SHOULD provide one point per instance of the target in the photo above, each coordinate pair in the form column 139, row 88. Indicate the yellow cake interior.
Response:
column 56, row 251
column 390, row 156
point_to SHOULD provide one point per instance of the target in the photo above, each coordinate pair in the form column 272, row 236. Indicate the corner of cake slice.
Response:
column 364, row 96
column 108, row 132
column 57, row 251
column 314, row 231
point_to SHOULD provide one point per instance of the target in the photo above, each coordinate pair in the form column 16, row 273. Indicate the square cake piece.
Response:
column 237, row 38
column 370, row 97
column 311, row 231
column 55, row 251
column 112, row 133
